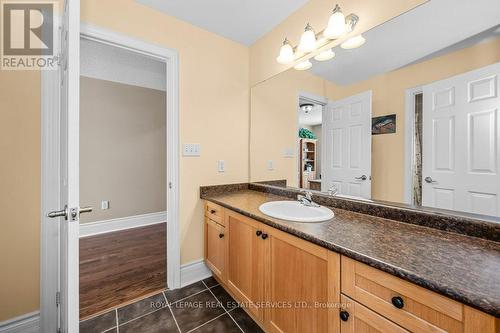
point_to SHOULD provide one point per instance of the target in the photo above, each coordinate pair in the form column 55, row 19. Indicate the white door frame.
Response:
column 50, row 165
column 410, row 142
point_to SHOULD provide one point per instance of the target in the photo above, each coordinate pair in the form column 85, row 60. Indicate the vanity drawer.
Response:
column 214, row 212
column 355, row 318
column 412, row 307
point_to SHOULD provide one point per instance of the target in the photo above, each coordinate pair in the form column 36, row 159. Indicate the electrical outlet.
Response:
column 270, row 165
column 191, row 149
column 221, row 166
column 105, row 204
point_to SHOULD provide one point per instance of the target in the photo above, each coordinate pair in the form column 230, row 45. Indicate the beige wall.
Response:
column 122, row 149
column 389, row 93
column 274, row 123
column 317, row 12
column 19, row 192
column 274, row 114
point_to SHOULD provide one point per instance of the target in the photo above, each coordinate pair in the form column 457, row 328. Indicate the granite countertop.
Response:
column 466, row 269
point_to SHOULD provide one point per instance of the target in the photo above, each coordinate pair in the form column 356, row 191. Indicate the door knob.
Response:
column 363, row 177
column 429, row 180
column 65, row 212
column 59, row 213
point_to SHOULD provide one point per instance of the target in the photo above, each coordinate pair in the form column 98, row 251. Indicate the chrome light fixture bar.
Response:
column 313, row 44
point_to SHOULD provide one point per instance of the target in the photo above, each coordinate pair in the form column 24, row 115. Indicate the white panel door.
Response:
column 461, row 142
column 346, row 160
column 69, row 167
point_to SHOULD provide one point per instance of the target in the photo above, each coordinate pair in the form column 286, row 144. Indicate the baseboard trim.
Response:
column 193, row 272
column 28, row 323
column 122, row 223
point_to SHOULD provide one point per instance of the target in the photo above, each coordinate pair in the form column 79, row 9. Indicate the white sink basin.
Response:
column 295, row 211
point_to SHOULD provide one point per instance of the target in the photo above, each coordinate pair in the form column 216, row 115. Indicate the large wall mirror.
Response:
column 411, row 116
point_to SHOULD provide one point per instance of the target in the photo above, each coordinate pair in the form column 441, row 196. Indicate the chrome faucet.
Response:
column 306, row 199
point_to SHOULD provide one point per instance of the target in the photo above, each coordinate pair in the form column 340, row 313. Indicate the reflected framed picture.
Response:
column 384, row 124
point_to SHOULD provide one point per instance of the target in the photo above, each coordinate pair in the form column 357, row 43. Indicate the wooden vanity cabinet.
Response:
column 246, row 258
column 290, row 285
column 303, row 282
column 215, row 248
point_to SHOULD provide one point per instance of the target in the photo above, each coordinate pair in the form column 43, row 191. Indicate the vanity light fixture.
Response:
column 303, row 66
column 311, row 44
column 353, row 42
column 307, row 40
column 286, row 56
column 337, row 26
column 325, row 55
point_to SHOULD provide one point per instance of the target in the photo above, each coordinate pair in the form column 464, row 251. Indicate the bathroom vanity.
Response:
column 353, row 273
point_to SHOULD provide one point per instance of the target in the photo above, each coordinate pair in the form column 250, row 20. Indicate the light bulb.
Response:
column 304, row 65
column 336, row 24
column 325, row 55
column 307, row 40
column 353, row 42
column 286, row 56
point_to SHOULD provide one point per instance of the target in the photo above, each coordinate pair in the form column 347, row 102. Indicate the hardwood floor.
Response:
column 119, row 267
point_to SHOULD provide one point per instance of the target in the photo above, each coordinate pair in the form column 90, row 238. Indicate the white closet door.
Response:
column 461, row 142
column 347, row 145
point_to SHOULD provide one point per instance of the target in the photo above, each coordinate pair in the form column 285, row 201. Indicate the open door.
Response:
column 68, row 214
column 346, row 161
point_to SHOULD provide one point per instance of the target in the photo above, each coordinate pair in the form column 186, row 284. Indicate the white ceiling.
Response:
column 243, row 21
column 408, row 38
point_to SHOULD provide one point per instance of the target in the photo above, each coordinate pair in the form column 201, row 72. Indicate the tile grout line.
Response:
column 171, row 312
column 143, row 315
column 198, row 292
column 222, row 314
column 227, row 312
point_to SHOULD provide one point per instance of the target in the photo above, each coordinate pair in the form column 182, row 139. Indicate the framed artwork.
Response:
column 384, row 124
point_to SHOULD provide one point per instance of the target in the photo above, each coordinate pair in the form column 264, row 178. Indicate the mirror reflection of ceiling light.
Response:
column 325, row 55
column 286, row 56
column 353, row 42
column 307, row 40
column 307, row 107
column 303, row 66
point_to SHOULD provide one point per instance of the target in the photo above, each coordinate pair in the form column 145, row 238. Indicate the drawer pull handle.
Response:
column 398, row 302
column 212, row 211
column 264, row 236
column 258, row 233
column 344, row 315
column 221, row 235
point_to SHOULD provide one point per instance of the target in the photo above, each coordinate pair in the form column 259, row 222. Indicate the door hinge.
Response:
column 58, row 298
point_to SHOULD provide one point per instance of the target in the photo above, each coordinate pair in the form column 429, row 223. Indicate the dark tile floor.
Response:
column 200, row 307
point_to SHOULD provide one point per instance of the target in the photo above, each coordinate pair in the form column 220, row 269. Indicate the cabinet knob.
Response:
column 221, row 235
column 258, row 233
column 264, row 236
column 344, row 315
column 212, row 211
column 398, row 302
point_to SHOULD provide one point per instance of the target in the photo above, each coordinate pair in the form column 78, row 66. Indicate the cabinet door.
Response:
column 303, row 285
column 246, row 255
column 358, row 319
column 215, row 248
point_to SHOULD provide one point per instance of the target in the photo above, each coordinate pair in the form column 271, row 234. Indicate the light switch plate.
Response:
column 221, row 166
column 105, row 204
column 191, row 149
